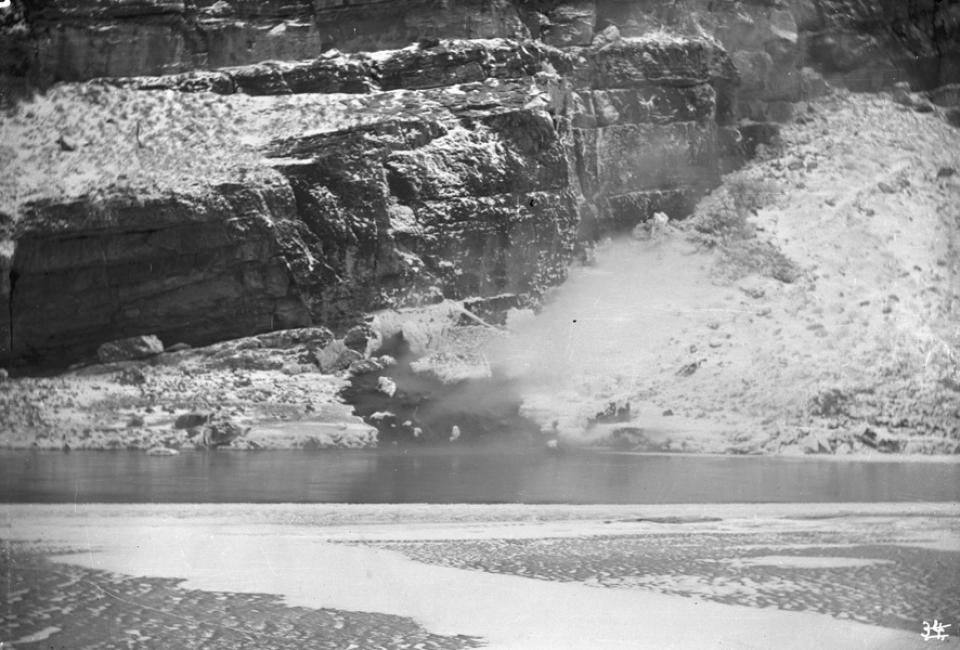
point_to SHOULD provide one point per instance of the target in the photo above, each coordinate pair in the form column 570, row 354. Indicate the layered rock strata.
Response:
column 184, row 266
column 871, row 45
column 75, row 40
column 344, row 174
column 455, row 190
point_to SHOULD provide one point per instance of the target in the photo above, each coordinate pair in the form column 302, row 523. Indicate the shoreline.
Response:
column 346, row 514
column 877, row 457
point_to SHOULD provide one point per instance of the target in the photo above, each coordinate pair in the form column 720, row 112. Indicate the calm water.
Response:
column 474, row 476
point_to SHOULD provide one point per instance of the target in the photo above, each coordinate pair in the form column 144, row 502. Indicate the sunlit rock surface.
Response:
column 167, row 210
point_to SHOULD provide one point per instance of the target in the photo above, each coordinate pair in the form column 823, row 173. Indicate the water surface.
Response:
column 457, row 476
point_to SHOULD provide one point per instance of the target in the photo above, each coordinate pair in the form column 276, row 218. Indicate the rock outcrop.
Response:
column 182, row 266
column 863, row 44
column 645, row 128
column 463, row 189
column 75, row 40
column 872, row 45
column 235, row 168
column 263, row 392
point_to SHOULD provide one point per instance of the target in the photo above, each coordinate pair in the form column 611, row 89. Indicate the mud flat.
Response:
column 855, row 575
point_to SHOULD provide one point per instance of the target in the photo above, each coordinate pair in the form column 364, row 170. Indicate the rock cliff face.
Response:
column 868, row 45
column 865, row 44
column 188, row 267
column 75, row 40
column 277, row 164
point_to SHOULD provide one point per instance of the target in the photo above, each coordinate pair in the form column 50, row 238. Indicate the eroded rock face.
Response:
column 762, row 39
column 476, row 156
column 482, row 177
column 74, row 40
column 459, row 191
column 645, row 129
column 872, row 45
column 477, row 199
column 865, row 44
column 185, row 267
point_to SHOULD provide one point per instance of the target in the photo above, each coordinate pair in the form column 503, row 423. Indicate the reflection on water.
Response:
column 456, row 476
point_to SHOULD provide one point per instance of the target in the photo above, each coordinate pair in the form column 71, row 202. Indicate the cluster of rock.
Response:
column 437, row 384
column 273, row 391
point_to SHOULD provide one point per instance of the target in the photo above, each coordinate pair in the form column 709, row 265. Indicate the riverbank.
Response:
column 517, row 577
column 249, row 393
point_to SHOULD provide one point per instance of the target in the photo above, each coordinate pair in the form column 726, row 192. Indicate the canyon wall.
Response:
column 188, row 267
column 864, row 43
column 868, row 45
column 459, row 190
column 76, row 40
column 483, row 144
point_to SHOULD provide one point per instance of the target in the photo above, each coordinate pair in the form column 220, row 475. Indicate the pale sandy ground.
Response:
column 866, row 336
column 292, row 551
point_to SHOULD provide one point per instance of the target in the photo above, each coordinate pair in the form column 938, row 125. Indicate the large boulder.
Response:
column 309, row 337
column 219, row 433
column 359, row 338
column 135, row 347
column 569, row 23
column 191, row 420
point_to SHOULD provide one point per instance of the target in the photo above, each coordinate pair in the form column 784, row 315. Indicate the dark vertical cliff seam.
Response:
column 939, row 36
column 13, row 276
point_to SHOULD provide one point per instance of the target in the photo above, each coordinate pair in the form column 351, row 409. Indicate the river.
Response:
column 449, row 475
